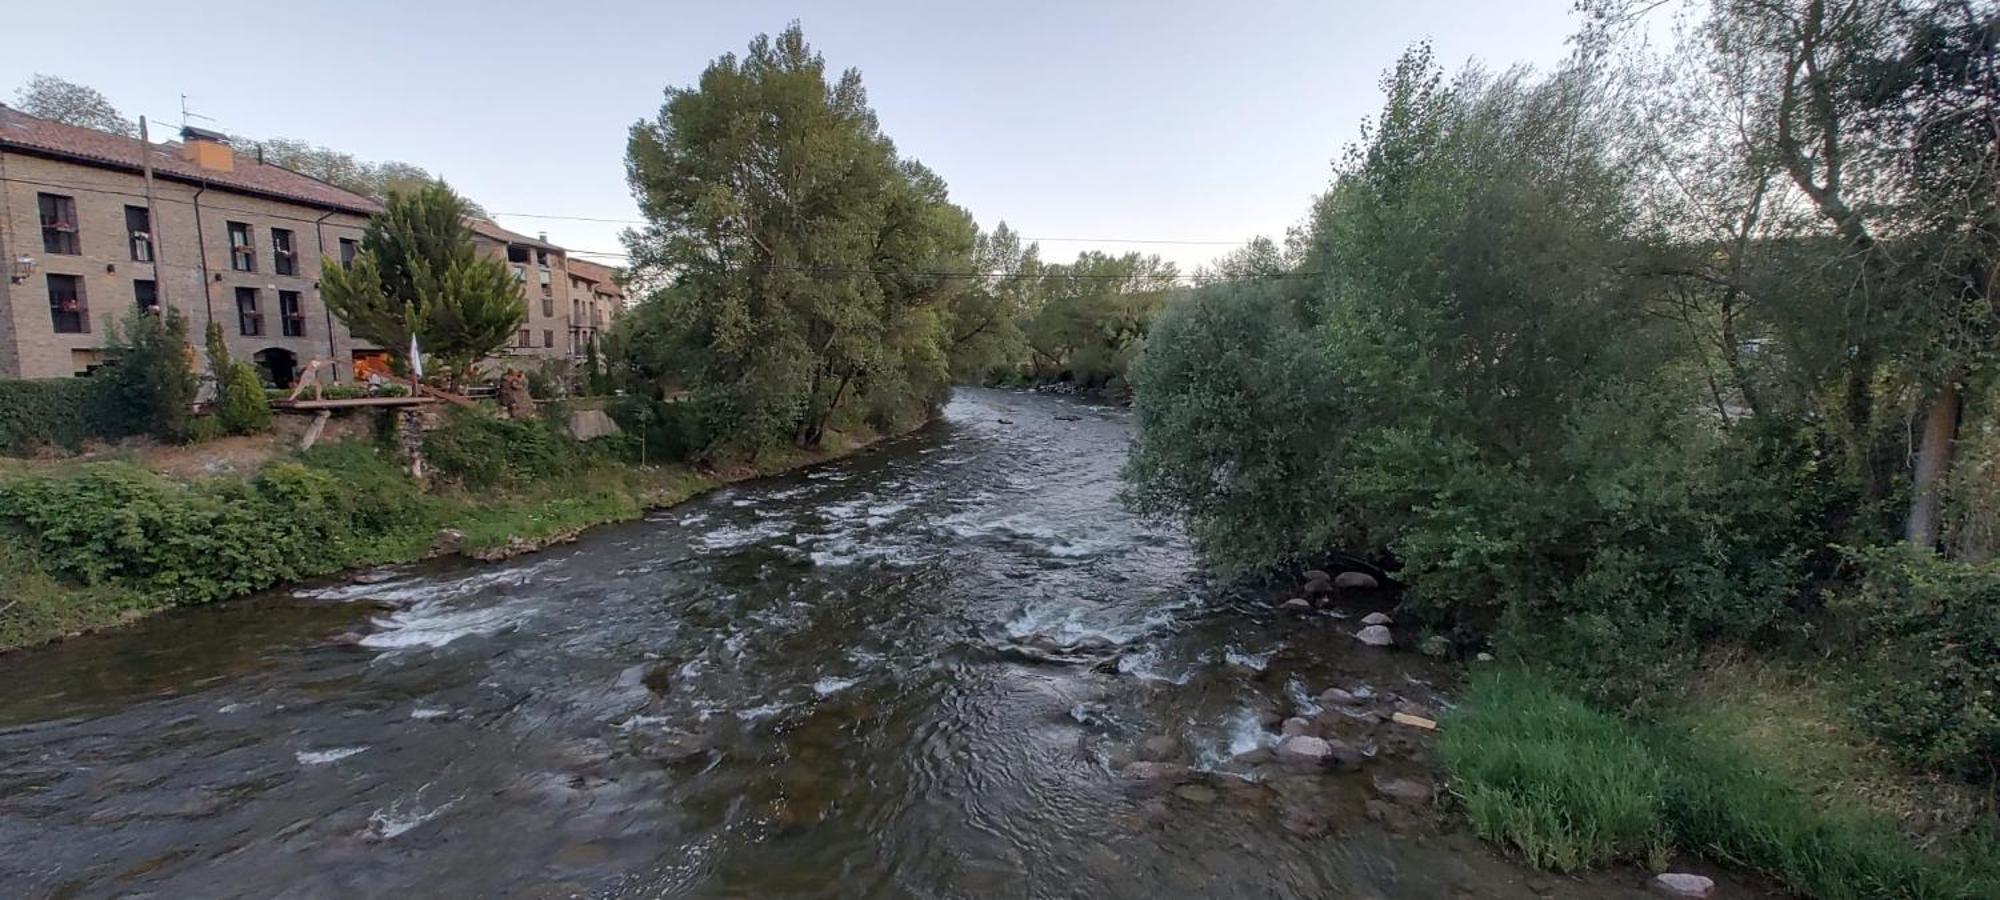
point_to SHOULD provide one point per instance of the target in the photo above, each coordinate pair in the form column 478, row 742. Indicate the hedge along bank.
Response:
column 88, row 545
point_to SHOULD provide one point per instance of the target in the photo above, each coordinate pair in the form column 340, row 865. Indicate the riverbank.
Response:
column 89, row 545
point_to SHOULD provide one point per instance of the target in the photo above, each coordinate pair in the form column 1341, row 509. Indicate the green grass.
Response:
column 1568, row 787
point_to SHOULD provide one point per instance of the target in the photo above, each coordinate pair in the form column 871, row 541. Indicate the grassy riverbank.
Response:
column 91, row 545
column 1754, row 768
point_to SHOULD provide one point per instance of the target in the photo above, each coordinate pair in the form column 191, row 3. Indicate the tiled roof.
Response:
column 486, row 229
column 590, row 271
column 25, row 133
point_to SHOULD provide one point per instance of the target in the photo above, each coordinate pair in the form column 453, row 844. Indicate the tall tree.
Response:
column 418, row 273
column 810, row 267
column 57, row 99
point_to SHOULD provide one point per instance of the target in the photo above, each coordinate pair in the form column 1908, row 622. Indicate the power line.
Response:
column 1140, row 279
column 1051, row 240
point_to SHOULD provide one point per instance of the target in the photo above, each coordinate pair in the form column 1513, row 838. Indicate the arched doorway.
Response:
column 279, row 366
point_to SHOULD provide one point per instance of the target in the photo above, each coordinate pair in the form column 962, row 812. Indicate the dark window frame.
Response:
column 139, row 232
column 140, row 296
column 284, row 252
column 291, row 314
column 242, row 246
column 68, row 314
column 60, row 232
column 349, row 249
column 250, row 320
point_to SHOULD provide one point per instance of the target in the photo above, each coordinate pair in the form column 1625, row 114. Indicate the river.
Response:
column 915, row 673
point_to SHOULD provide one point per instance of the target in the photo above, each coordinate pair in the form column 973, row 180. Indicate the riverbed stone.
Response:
column 1318, row 587
column 1406, row 791
column 1338, row 697
column 1196, row 793
column 1355, row 581
column 1304, row 748
column 1683, row 884
column 1376, row 636
column 1377, row 618
column 1159, row 748
column 1155, row 772
column 1295, row 725
column 1297, row 604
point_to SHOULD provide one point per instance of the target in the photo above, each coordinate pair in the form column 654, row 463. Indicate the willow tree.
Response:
column 810, row 270
column 419, row 274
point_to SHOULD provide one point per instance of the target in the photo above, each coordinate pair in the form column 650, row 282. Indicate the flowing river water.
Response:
column 920, row 672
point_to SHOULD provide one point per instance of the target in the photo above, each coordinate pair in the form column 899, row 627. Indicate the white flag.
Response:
column 416, row 359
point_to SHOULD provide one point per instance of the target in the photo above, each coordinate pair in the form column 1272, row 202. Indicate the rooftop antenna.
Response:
column 187, row 114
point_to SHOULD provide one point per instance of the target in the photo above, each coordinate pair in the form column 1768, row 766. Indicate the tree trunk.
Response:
column 1933, row 461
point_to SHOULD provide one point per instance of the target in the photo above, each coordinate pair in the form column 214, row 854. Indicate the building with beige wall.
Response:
column 596, row 298
column 542, row 269
column 218, row 235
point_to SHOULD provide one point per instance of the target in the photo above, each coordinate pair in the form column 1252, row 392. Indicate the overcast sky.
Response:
column 1151, row 119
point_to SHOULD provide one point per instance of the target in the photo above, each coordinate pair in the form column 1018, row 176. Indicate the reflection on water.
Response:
column 908, row 674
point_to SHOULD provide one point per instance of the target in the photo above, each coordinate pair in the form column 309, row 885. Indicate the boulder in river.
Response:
column 1683, row 884
column 1376, row 618
column 1159, row 748
column 1295, row 725
column 1297, row 604
column 1337, row 697
column 1155, row 772
column 1355, row 581
column 1320, row 586
column 1304, row 748
column 1406, row 791
column 1376, row 636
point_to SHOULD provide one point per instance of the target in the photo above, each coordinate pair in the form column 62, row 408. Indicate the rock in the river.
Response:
column 1295, row 725
column 1156, row 772
column 1318, row 587
column 1297, row 604
column 1376, row 618
column 1315, row 575
column 668, row 746
column 1196, row 793
column 447, row 540
column 1376, row 636
column 1337, row 697
column 1355, row 580
column 1304, row 748
column 1159, row 748
column 1683, row 884
column 1407, row 791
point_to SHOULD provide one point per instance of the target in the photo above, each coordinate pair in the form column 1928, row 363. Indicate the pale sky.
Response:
column 1159, row 120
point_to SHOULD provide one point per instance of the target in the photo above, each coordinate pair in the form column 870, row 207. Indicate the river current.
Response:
column 919, row 672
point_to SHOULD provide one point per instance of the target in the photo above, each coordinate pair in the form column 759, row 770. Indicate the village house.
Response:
column 217, row 234
column 221, row 236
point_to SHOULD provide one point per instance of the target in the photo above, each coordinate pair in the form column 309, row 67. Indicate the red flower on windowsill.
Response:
column 69, row 305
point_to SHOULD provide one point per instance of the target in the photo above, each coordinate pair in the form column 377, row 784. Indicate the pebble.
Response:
column 1376, row 618
column 1683, row 884
column 1297, row 604
column 1304, row 748
column 1376, row 636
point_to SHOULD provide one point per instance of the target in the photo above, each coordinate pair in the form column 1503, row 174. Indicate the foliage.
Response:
column 152, row 374
column 418, row 272
column 1091, row 316
column 1568, row 786
column 596, row 382
column 57, row 412
column 59, row 100
column 243, row 407
column 1930, row 679
column 481, row 450
column 812, row 268
column 371, row 179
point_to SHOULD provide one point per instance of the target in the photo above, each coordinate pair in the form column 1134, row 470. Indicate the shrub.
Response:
column 243, row 408
column 480, row 450
column 57, row 412
column 1930, row 681
column 151, row 377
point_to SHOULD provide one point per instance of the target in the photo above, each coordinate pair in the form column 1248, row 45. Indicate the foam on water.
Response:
column 830, row 685
column 327, row 757
column 435, row 625
column 1254, row 661
column 404, row 815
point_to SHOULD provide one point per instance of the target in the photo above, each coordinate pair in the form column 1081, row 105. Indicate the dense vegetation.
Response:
column 1624, row 363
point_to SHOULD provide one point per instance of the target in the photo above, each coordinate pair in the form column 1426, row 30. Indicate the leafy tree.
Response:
column 811, row 268
column 418, row 272
column 594, row 378
column 243, row 407
column 1093, row 315
column 49, row 97
column 371, row 179
column 153, row 375
column 986, row 315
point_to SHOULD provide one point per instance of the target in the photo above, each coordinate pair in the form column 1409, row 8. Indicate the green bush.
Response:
column 151, row 376
column 1568, row 787
column 243, row 407
column 479, row 450
column 57, row 412
column 1930, row 641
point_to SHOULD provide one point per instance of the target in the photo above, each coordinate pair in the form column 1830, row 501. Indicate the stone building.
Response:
column 219, row 235
column 596, row 298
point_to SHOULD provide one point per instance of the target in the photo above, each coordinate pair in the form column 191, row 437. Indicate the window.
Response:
column 58, row 224
column 146, row 295
column 525, row 339
column 548, row 305
column 292, row 313
column 283, row 257
column 520, row 274
column 545, row 278
column 139, row 230
column 542, row 258
column 68, row 311
column 242, row 253
column 517, row 253
column 349, row 249
column 548, row 337
column 249, row 321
